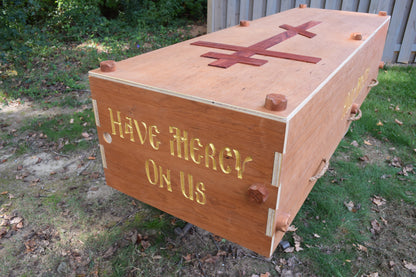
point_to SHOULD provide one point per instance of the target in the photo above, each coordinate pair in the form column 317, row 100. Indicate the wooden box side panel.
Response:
column 190, row 159
column 316, row 130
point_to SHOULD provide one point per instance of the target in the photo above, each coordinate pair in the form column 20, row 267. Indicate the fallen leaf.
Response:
column 398, row 122
column 366, row 142
column 365, row 159
column 384, row 220
column 397, row 108
column 3, row 232
column 354, row 143
column 406, row 169
column 409, row 266
column 374, row 274
column 350, row 206
column 71, row 121
column 291, row 228
column 376, row 225
column 210, row 259
column 267, row 274
column 187, row 257
column 396, row 162
column 392, row 264
column 157, row 257
column 91, row 158
column 110, row 251
column 16, row 220
column 316, row 236
column 145, row 244
column 361, row 247
column 378, row 200
column 4, row 222
column 30, row 245
column 297, row 239
column 4, row 192
column 379, row 123
column 289, row 250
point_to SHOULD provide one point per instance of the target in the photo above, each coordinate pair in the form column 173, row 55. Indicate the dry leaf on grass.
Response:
column 316, row 236
column 366, row 142
column 378, row 200
column 379, row 123
column 291, row 228
column 376, row 225
column 297, row 239
column 289, row 250
column 354, row 143
column 361, row 247
column 398, row 122
column 267, row 274
column 409, row 266
column 350, row 206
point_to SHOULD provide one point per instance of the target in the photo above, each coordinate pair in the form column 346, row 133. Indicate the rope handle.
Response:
column 356, row 116
column 322, row 172
column 373, row 83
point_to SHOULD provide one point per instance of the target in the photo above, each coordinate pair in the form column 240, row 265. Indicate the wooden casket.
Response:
column 230, row 131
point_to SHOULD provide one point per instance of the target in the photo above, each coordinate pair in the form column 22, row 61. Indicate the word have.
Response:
column 143, row 131
column 190, row 190
column 354, row 92
column 183, row 147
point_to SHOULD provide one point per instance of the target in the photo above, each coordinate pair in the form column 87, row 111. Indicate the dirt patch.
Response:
column 392, row 248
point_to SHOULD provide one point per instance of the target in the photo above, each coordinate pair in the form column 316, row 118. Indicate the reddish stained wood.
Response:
column 297, row 30
column 225, row 61
column 250, row 61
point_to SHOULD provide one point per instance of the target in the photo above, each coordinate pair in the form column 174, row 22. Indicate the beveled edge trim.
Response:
column 270, row 223
column 95, row 108
column 276, row 169
column 103, row 156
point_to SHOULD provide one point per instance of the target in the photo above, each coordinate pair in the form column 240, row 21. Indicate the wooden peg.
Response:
column 381, row 65
column 258, row 193
column 303, row 6
column 244, row 23
column 275, row 102
column 108, row 66
column 356, row 36
column 382, row 13
column 282, row 222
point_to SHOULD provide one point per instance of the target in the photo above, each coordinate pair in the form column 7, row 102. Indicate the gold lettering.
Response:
column 227, row 169
column 113, row 123
column 139, row 133
column 196, row 160
column 209, row 155
column 179, row 141
column 165, row 178
column 200, row 195
column 152, row 135
column 129, row 129
column 190, row 194
column 155, row 175
column 240, row 167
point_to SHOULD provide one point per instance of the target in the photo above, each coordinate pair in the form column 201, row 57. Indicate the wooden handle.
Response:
column 322, row 172
column 258, row 193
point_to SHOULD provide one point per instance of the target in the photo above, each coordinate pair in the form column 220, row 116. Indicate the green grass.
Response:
column 324, row 212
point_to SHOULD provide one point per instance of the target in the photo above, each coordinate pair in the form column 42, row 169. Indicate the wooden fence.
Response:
column 401, row 38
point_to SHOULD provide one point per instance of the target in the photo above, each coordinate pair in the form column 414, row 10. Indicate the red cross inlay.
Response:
column 243, row 54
